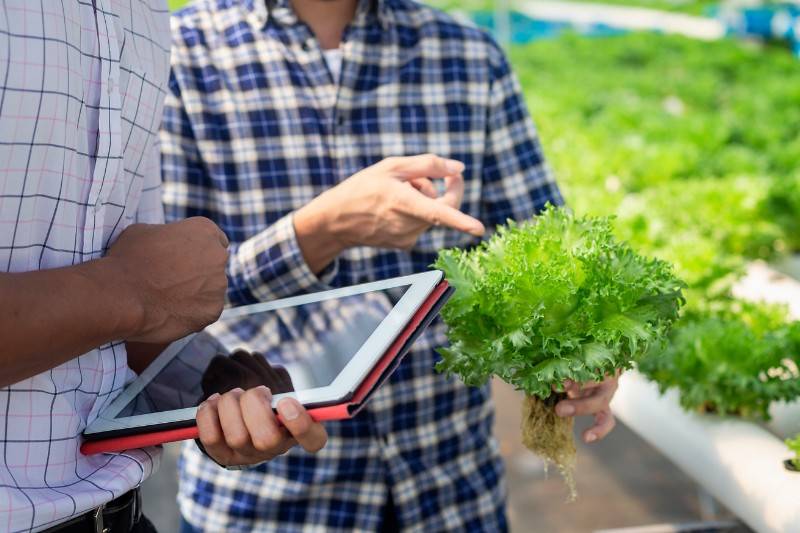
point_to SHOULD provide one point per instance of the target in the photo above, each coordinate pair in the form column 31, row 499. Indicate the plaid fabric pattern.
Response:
column 255, row 127
column 81, row 91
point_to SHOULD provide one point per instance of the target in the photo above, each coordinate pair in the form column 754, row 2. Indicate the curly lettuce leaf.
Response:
column 729, row 363
column 553, row 299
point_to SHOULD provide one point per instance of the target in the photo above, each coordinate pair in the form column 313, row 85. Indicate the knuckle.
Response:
column 224, row 457
column 390, row 162
column 196, row 221
column 230, row 399
column 302, row 426
column 253, row 398
column 267, row 440
column 238, row 439
column 210, row 438
column 248, row 396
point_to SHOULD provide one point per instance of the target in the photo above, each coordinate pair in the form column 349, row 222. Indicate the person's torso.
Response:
column 81, row 92
column 274, row 129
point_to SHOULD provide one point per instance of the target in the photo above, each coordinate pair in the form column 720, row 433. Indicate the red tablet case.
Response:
column 387, row 364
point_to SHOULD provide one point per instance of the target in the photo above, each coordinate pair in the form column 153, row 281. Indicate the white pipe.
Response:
column 739, row 463
column 785, row 419
column 765, row 283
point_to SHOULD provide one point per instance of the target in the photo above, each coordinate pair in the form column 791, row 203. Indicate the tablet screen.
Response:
column 292, row 348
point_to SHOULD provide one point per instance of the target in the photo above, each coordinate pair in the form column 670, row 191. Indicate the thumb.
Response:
column 454, row 191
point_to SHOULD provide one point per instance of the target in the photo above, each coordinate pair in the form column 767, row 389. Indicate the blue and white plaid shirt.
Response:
column 255, row 127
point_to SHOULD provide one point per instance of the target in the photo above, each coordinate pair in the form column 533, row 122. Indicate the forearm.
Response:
column 318, row 243
column 51, row 316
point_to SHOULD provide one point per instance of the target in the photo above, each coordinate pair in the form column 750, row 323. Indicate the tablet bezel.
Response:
column 420, row 286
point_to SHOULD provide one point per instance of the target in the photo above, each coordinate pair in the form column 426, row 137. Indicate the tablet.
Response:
column 320, row 348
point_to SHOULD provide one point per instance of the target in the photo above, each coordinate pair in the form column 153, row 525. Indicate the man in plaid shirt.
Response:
column 91, row 280
column 273, row 108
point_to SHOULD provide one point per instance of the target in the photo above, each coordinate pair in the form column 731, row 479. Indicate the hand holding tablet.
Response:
column 240, row 428
column 326, row 351
column 235, row 422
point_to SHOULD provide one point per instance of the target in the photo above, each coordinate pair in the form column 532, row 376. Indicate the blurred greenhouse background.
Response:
column 693, row 143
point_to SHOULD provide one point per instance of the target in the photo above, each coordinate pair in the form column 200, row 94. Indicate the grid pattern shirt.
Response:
column 81, row 91
column 255, row 126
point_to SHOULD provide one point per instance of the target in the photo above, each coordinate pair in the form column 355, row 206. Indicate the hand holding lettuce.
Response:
column 554, row 299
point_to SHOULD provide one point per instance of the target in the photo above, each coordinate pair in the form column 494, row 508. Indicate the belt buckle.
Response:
column 99, row 522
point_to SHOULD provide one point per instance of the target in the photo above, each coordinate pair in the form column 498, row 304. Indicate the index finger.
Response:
column 424, row 166
column 437, row 213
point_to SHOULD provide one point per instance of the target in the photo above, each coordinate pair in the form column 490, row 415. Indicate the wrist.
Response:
column 126, row 308
column 317, row 236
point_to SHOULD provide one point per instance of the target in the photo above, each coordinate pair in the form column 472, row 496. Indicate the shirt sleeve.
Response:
column 267, row 266
column 517, row 182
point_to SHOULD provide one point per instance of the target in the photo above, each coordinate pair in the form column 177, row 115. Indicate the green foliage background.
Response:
column 693, row 145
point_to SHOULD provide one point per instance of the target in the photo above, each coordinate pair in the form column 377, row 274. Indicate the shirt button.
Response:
column 306, row 46
column 340, row 120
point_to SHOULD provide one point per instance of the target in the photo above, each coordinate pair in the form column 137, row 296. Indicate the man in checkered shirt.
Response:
column 273, row 108
column 88, row 270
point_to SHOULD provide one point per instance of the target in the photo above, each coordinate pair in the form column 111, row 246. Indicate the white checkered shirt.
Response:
column 81, row 91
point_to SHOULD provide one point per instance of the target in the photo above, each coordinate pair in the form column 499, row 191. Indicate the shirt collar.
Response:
column 260, row 11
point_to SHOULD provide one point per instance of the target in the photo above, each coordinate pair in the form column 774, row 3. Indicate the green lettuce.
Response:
column 553, row 299
column 734, row 361
column 794, row 446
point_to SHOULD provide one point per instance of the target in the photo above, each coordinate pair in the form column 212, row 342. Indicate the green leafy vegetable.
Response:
column 555, row 299
column 794, row 446
column 782, row 205
column 688, row 143
column 549, row 300
column 730, row 362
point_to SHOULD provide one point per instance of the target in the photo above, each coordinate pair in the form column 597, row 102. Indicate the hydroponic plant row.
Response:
column 693, row 145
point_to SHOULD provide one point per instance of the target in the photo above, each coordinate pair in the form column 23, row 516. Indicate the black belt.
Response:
column 116, row 516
